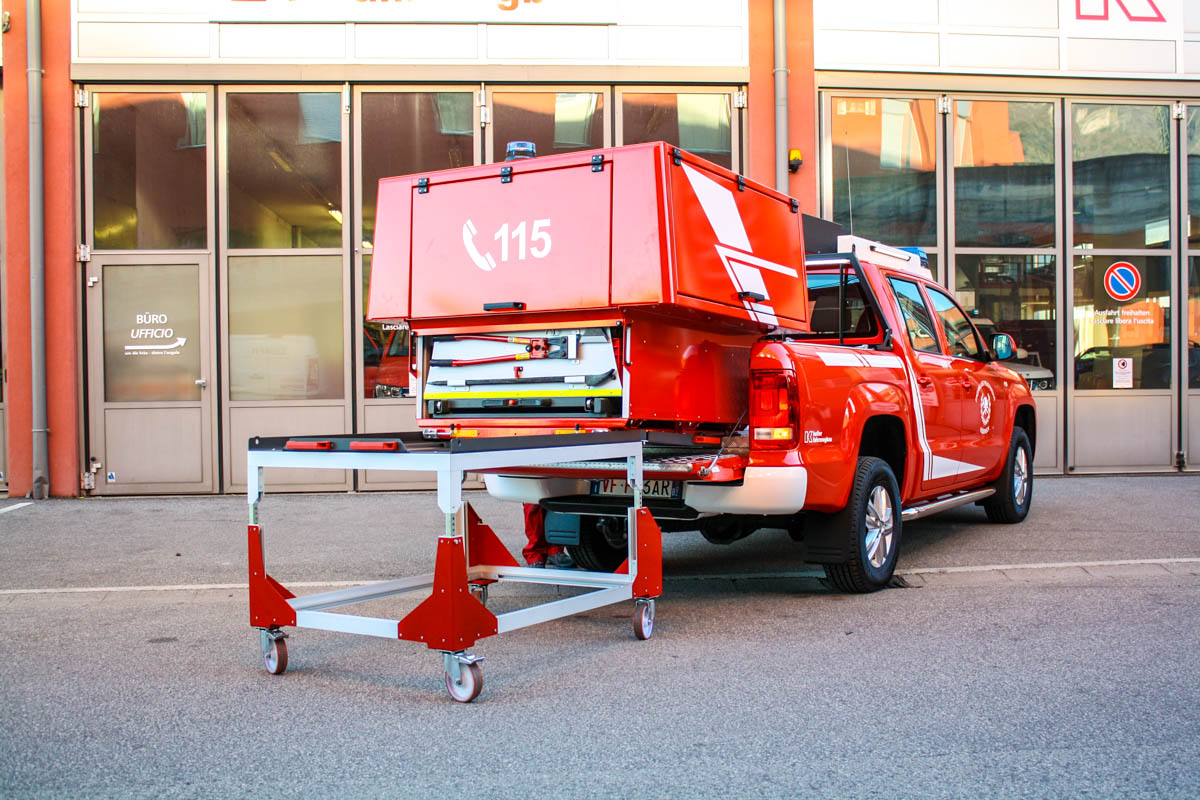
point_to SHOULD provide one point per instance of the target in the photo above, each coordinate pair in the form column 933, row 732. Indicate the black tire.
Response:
column 1014, row 491
column 874, row 497
column 595, row 551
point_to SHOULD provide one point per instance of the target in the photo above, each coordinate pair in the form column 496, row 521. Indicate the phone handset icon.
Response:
column 482, row 260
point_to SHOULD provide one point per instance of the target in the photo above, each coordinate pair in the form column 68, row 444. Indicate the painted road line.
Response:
column 800, row 573
column 14, row 507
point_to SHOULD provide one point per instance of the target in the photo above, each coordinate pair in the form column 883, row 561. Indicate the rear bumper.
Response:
column 762, row 490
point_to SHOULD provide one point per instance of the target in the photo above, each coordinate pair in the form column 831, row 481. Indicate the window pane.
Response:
column 917, row 320
column 385, row 352
column 959, row 333
column 407, row 132
column 1122, row 177
column 1138, row 329
column 151, row 333
column 1004, row 174
column 1014, row 295
column 149, row 157
column 285, row 328
column 560, row 122
column 285, row 169
column 699, row 123
column 884, row 169
column 824, row 290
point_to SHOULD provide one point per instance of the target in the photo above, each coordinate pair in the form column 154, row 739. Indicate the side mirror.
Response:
column 1003, row 346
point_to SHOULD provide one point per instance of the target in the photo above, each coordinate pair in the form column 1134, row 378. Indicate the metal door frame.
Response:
column 950, row 271
column 348, row 224
column 1171, row 252
column 93, row 355
column 359, row 249
column 1187, row 395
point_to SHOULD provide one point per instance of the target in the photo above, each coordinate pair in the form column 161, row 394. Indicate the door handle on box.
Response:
column 514, row 305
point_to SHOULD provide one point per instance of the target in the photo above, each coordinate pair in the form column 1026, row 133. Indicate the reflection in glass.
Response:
column 1193, row 174
column 1004, row 174
column 385, row 351
column 560, row 122
column 1107, row 329
column 884, row 169
column 1122, row 179
column 285, row 328
column 699, row 123
column 1014, row 294
column 1193, row 343
column 151, row 333
column 285, row 169
column 149, row 157
column 917, row 319
column 960, row 337
column 408, row 132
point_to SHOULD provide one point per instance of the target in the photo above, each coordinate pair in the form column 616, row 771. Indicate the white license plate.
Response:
column 672, row 490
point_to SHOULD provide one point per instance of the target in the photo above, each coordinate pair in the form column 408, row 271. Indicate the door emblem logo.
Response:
column 986, row 399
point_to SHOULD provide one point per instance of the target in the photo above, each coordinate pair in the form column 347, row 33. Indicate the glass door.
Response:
column 398, row 131
column 561, row 119
column 1004, row 240
column 285, row 269
column 1122, row 242
column 699, row 120
column 149, row 290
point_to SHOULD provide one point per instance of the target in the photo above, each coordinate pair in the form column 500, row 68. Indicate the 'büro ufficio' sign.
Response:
column 154, row 337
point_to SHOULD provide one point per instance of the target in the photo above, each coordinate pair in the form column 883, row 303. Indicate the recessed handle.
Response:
column 755, row 296
column 510, row 306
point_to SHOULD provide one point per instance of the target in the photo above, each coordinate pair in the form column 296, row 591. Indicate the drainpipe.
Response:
column 37, row 253
column 781, row 97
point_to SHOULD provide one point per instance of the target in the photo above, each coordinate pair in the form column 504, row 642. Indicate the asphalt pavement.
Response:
column 1056, row 658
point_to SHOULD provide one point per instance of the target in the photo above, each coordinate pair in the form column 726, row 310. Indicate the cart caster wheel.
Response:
column 275, row 656
column 469, row 683
column 643, row 619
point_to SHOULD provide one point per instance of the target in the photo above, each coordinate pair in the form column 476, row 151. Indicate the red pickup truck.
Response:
column 834, row 389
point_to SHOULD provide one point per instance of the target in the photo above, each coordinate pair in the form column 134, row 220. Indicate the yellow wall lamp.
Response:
column 795, row 159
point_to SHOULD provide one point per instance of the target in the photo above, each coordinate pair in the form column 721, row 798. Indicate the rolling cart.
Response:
column 469, row 555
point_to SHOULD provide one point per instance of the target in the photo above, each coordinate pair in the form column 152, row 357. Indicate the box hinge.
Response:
column 81, row 97
column 422, row 185
column 739, row 98
column 83, row 253
column 676, row 156
column 506, row 174
column 741, row 183
column 597, row 163
column 795, row 205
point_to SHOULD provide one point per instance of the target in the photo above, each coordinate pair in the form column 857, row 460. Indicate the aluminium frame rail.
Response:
column 453, row 616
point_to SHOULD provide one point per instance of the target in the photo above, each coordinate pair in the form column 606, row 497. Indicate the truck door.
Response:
column 939, row 387
column 986, row 412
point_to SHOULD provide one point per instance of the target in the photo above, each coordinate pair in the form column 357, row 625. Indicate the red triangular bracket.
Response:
column 268, row 599
column 450, row 618
column 484, row 546
column 648, row 582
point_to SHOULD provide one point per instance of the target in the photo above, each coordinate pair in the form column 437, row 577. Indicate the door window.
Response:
column 152, row 347
column 149, row 170
column 960, row 336
column 917, row 319
column 885, row 168
column 556, row 122
column 698, row 123
column 284, row 169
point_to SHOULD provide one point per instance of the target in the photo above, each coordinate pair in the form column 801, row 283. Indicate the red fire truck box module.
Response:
column 588, row 291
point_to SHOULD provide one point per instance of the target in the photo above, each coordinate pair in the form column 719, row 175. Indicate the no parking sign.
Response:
column 1122, row 281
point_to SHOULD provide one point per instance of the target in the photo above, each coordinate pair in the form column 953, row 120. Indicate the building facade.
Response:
column 209, row 195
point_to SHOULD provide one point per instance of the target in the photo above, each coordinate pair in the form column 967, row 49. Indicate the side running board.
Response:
column 942, row 504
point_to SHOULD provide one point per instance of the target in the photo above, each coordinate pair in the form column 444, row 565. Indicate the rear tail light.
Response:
column 774, row 411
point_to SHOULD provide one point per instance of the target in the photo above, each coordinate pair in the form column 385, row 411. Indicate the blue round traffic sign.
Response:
column 1122, row 281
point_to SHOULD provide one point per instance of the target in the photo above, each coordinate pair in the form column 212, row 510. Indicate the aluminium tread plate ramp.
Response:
column 469, row 555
